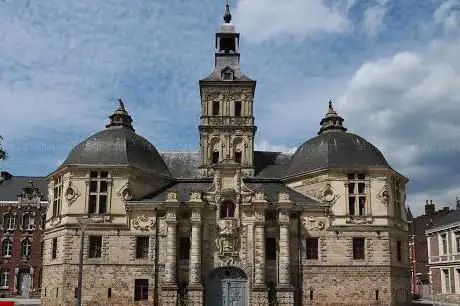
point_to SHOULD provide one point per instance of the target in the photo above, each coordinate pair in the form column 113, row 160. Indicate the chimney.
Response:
column 429, row 208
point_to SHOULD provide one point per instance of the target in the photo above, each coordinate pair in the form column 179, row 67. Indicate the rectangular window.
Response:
column 57, row 196
column 356, row 194
column 444, row 244
column 215, row 108
column 312, row 248
column 54, row 250
column 95, row 246
column 7, row 245
column 237, row 108
column 43, row 220
column 98, row 191
column 109, row 293
column 457, row 241
column 141, row 289
column 184, row 248
column 446, row 281
column 25, row 248
column 27, row 222
column 399, row 250
column 142, row 247
column 270, row 248
column 215, row 157
column 358, row 248
column 4, row 278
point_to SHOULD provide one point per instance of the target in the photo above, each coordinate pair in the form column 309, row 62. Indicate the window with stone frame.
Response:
column 312, row 247
column 142, row 247
column 25, row 248
column 184, row 248
column 28, row 221
column 227, row 210
column 444, row 244
column 445, row 281
column 57, row 195
column 237, row 108
column 215, row 157
column 95, row 247
column 270, row 248
column 141, row 289
column 457, row 241
column 215, row 108
column 356, row 194
column 54, row 248
column 7, row 247
column 238, row 156
column 358, row 248
column 98, row 192
column 4, row 278
column 399, row 250
column 9, row 221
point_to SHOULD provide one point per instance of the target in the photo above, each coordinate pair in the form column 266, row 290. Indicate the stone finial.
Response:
column 172, row 196
column 227, row 14
column 283, row 197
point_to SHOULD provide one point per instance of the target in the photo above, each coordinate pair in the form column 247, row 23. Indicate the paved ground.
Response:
column 427, row 302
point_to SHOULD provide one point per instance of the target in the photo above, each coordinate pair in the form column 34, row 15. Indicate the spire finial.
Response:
column 332, row 121
column 122, row 106
column 227, row 14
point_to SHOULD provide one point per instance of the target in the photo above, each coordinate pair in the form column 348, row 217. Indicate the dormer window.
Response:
column 227, row 210
column 227, row 76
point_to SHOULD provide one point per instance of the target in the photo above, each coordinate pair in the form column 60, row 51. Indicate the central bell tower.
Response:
column 227, row 127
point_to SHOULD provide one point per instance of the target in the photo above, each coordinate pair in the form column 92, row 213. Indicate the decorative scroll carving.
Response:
column 383, row 195
column 143, row 223
column 30, row 193
column 228, row 238
column 125, row 193
column 71, row 194
column 283, row 197
column 314, row 223
column 359, row 220
column 328, row 194
column 99, row 219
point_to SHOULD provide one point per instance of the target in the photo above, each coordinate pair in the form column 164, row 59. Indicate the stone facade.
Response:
column 444, row 259
column 230, row 226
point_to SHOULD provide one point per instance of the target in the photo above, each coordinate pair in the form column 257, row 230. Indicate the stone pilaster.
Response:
column 259, row 258
column 284, row 256
column 195, row 290
column 171, row 260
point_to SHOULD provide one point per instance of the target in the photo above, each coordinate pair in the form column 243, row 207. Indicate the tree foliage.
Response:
column 2, row 152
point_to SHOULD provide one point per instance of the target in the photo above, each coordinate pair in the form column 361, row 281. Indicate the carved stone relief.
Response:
column 314, row 180
column 359, row 220
column 195, row 196
column 383, row 195
column 314, row 223
column 283, row 197
column 328, row 194
column 99, row 219
column 125, row 193
column 143, row 223
column 71, row 194
column 228, row 238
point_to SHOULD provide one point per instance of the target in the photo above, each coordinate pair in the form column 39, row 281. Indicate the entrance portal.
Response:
column 227, row 286
column 24, row 284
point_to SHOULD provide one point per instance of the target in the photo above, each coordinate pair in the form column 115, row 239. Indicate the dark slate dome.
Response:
column 118, row 145
column 335, row 147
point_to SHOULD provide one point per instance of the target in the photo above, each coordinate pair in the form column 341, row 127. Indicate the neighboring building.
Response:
column 417, row 229
column 444, row 258
column 22, row 208
column 227, row 225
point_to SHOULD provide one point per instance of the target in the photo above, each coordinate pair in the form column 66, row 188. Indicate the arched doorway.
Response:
column 227, row 286
column 24, row 282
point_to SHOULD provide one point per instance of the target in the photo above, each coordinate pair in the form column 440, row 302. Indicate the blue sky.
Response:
column 391, row 66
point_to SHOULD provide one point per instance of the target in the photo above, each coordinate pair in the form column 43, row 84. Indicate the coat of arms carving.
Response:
column 228, row 238
column 143, row 223
column 314, row 223
column 383, row 195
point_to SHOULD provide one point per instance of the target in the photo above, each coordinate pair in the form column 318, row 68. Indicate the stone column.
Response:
column 195, row 290
column 171, row 260
column 259, row 258
column 284, row 255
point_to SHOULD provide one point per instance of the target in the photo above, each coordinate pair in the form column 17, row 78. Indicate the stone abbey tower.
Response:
column 226, row 225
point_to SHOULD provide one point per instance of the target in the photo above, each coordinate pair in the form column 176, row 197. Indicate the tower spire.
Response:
column 227, row 14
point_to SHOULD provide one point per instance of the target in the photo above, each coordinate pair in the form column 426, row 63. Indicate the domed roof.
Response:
column 335, row 147
column 118, row 145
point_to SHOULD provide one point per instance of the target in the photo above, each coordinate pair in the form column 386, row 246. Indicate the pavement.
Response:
column 21, row 301
column 430, row 302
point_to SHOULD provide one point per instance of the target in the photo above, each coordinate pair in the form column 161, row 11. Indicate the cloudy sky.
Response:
column 392, row 66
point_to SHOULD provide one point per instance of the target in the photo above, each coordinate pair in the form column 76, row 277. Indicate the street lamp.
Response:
column 83, row 222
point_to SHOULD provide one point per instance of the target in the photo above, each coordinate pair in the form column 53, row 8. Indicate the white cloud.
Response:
column 260, row 20
column 373, row 19
column 448, row 14
column 265, row 145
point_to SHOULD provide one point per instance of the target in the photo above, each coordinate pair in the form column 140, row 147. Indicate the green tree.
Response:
column 2, row 152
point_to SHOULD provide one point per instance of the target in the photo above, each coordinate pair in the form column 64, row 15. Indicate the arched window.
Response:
column 27, row 221
column 7, row 247
column 9, row 221
column 227, row 210
column 25, row 248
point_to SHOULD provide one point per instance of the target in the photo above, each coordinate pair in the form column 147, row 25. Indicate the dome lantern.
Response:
column 120, row 118
column 331, row 121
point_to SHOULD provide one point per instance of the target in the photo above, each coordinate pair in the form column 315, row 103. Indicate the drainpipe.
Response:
column 299, row 265
column 157, row 251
